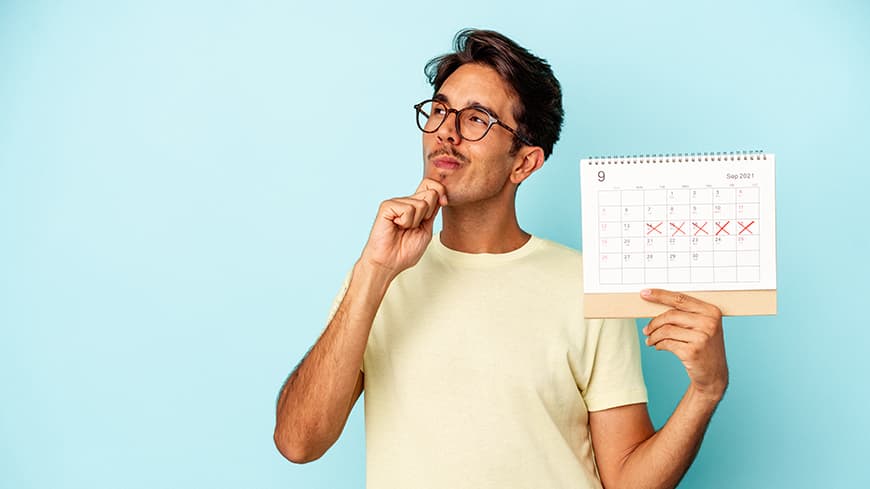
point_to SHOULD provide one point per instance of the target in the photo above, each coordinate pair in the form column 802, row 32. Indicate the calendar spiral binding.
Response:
column 678, row 157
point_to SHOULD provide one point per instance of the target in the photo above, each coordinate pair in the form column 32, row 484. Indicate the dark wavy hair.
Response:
column 539, row 114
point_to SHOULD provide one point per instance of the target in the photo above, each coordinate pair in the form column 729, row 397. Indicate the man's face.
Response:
column 472, row 171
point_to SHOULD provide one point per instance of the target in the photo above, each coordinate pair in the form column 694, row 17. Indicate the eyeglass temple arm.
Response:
column 516, row 133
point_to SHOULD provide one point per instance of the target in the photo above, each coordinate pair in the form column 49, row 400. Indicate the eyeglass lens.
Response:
column 473, row 123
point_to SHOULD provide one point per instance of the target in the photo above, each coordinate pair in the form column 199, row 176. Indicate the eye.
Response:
column 478, row 118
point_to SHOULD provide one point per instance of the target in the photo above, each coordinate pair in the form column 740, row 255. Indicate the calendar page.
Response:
column 698, row 222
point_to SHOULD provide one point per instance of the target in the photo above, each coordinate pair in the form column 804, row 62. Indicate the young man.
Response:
column 479, row 368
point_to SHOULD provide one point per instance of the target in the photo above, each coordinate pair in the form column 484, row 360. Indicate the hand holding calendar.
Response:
column 691, row 330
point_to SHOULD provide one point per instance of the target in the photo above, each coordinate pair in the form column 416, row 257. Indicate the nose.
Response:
column 449, row 131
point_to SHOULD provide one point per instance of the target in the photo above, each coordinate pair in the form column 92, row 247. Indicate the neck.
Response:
column 483, row 227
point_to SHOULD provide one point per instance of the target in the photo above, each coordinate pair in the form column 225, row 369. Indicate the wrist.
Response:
column 710, row 394
column 373, row 275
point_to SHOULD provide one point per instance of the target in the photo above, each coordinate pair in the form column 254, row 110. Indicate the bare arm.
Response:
column 317, row 398
column 629, row 453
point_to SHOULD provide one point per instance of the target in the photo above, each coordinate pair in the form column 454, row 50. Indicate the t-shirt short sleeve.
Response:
column 615, row 377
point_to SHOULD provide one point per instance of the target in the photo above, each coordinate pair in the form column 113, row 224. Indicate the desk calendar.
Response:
column 703, row 224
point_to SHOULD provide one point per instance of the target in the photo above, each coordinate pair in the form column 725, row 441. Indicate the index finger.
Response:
column 429, row 184
column 680, row 301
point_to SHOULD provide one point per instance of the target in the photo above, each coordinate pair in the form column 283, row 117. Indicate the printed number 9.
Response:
column 601, row 176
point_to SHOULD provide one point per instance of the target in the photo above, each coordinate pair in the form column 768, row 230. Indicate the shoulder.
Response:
column 560, row 263
column 557, row 253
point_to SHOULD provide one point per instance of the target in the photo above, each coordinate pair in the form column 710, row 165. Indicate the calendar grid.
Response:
column 680, row 235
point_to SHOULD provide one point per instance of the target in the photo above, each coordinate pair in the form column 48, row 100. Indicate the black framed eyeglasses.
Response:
column 472, row 123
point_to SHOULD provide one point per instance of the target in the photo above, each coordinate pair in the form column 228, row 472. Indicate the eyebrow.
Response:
column 440, row 97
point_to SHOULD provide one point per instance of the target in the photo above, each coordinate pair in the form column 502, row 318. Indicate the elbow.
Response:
column 294, row 449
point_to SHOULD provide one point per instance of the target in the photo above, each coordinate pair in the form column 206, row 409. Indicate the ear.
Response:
column 529, row 159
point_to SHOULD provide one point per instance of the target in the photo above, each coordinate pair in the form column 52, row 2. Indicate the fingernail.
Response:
column 645, row 292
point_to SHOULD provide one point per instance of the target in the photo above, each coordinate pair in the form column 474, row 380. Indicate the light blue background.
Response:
column 183, row 186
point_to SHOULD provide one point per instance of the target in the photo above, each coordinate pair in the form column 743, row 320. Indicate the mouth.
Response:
column 446, row 163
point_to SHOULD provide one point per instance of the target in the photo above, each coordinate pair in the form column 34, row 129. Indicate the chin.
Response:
column 442, row 176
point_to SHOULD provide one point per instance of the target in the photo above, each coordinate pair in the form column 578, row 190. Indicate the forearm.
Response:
column 315, row 400
column 663, row 459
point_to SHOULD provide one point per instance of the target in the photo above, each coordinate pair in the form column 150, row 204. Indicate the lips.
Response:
column 446, row 163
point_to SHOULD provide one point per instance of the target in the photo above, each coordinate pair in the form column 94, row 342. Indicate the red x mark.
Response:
column 678, row 229
column 745, row 228
column 653, row 228
column 700, row 228
column 722, row 229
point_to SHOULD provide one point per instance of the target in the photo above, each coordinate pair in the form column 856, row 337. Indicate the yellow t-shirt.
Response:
column 480, row 371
